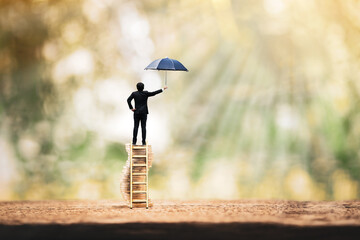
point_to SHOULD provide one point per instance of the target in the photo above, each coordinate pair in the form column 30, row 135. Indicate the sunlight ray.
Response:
column 207, row 112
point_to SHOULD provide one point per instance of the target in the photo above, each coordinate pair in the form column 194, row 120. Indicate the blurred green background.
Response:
column 269, row 109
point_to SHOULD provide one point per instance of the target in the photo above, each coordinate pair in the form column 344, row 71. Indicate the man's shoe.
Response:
column 143, row 144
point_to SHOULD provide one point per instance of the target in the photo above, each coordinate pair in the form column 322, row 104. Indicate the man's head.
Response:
column 140, row 86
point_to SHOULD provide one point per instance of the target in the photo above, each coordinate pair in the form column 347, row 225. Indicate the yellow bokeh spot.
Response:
column 300, row 186
column 343, row 187
column 269, row 188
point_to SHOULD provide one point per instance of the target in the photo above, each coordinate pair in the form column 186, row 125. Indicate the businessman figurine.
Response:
column 141, row 109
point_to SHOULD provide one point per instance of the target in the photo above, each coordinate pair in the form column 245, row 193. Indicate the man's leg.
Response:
column 136, row 127
column 143, row 128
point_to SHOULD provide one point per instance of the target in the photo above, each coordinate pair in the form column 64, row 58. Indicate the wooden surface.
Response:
column 255, row 219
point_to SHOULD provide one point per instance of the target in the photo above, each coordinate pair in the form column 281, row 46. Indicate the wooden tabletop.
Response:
column 256, row 219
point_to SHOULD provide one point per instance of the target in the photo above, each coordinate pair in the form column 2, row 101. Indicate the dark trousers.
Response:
column 139, row 118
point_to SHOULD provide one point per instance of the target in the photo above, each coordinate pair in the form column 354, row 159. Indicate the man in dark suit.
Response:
column 141, row 109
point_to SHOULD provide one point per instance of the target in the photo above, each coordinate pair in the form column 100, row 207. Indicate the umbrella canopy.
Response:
column 166, row 64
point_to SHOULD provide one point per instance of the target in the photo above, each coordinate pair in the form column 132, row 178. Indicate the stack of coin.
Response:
column 125, row 177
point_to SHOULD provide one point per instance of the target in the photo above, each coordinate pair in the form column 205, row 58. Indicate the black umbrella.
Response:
column 166, row 64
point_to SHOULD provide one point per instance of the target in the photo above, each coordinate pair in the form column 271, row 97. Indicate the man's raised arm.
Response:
column 150, row 94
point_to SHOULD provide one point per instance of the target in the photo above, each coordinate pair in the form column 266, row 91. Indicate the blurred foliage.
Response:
column 269, row 108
